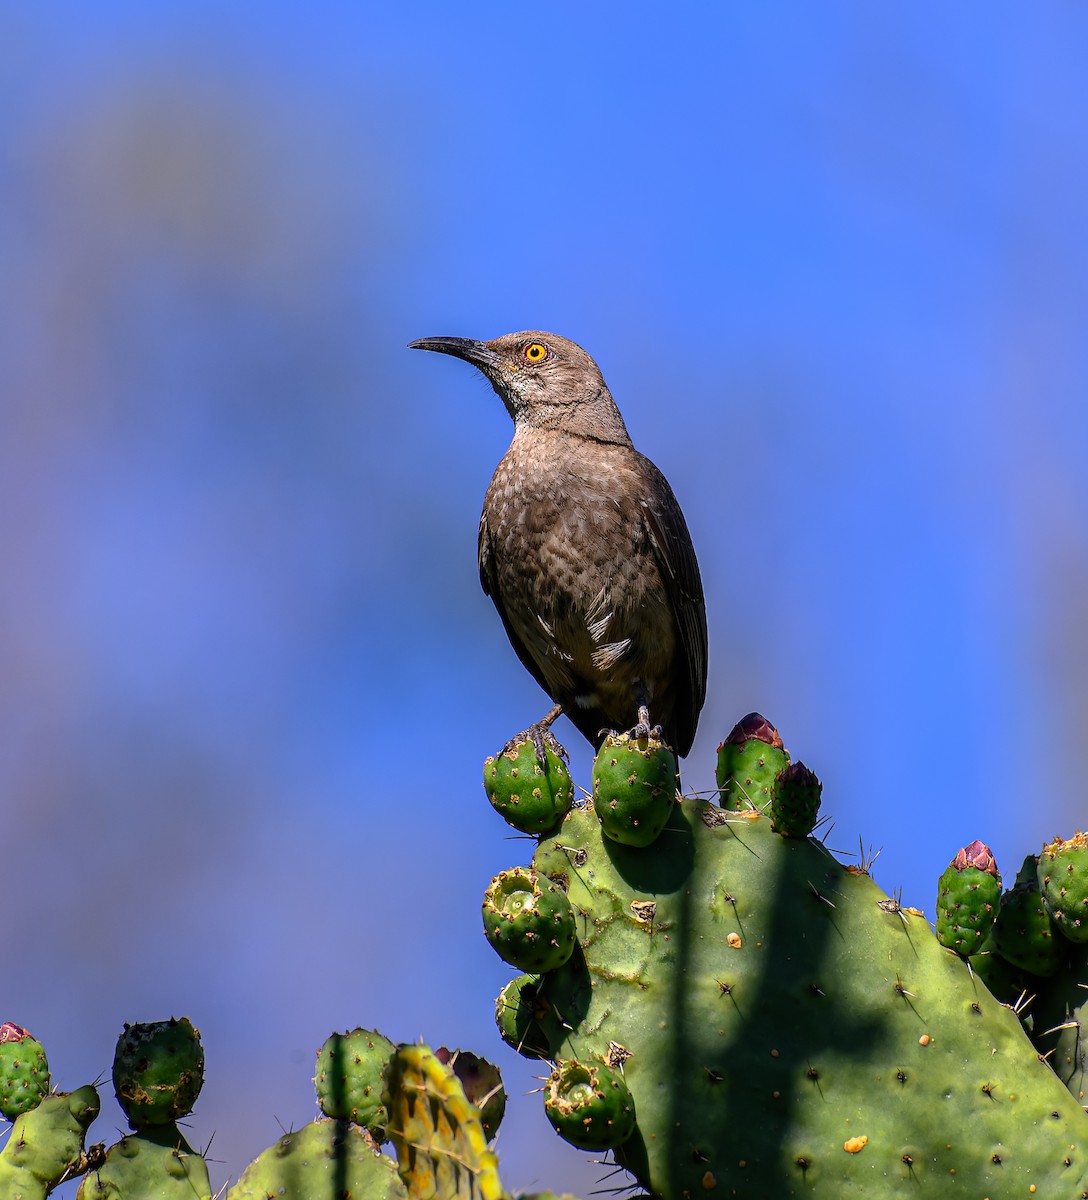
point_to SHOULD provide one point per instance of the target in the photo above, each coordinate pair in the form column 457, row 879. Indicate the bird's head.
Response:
column 545, row 381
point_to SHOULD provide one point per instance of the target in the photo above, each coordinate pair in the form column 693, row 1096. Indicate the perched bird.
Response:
column 584, row 550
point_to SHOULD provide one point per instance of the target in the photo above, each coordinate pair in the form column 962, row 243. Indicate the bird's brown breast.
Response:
column 575, row 572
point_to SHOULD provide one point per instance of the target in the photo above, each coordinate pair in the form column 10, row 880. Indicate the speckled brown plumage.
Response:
column 583, row 547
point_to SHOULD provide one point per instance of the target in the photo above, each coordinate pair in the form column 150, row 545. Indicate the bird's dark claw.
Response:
column 540, row 734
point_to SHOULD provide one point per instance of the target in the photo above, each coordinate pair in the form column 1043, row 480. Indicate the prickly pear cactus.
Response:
column 1063, row 882
column 968, row 895
column 795, row 801
column 24, row 1071
column 634, row 783
column 528, row 920
column 45, row 1145
column 349, row 1078
column 441, row 1147
column 158, row 1071
column 749, row 760
column 482, row 1084
column 784, row 1028
column 157, row 1161
column 1023, row 933
column 531, row 797
column 324, row 1160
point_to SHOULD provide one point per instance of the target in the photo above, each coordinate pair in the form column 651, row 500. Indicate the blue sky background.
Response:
column 832, row 261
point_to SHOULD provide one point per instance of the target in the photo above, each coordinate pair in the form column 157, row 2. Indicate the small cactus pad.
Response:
column 589, row 1105
column 442, row 1151
column 1063, row 879
column 349, row 1078
column 157, row 1162
column 531, row 798
column 158, row 1071
column 24, row 1071
column 795, row 801
column 528, row 920
column 634, row 786
column 45, row 1145
column 749, row 760
column 1023, row 933
column 968, row 893
column 325, row 1160
column 481, row 1083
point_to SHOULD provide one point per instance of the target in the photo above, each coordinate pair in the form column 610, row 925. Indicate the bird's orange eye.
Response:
column 535, row 352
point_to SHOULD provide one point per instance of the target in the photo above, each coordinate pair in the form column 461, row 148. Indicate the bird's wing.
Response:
column 675, row 556
column 490, row 583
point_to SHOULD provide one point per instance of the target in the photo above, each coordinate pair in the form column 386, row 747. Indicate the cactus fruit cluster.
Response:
column 439, row 1110
column 724, row 1010
column 742, row 1015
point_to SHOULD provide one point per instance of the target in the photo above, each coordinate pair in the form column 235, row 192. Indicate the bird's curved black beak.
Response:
column 478, row 353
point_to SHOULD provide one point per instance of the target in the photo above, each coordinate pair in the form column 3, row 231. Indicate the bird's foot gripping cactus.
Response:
column 781, row 1027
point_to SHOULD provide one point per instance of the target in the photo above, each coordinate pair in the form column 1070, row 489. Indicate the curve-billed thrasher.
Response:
column 584, row 549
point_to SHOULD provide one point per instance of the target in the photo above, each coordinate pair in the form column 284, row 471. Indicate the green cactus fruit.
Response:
column 795, row 801
column 749, row 760
column 634, row 787
column 24, row 1071
column 1059, row 1022
column 589, row 1105
column 528, row 920
column 526, row 795
column 786, row 1029
column 1063, row 879
column 525, row 1019
column 1023, row 933
column 442, row 1150
column 968, row 894
column 325, row 1160
column 349, row 1078
column 158, row 1071
column 157, row 1162
column 481, row 1083
column 45, row 1145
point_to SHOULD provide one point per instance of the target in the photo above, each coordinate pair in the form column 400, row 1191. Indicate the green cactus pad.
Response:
column 1063, row 880
column 45, row 1145
column 158, row 1071
column 749, row 760
column 634, row 786
column 1023, row 933
column 442, row 1151
column 349, row 1078
column 481, row 1083
column 589, row 1105
column 968, row 894
column 325, row 1160
column 531, row 798
column 24, row 1071
column 528, row 920
column 795, row 801
column 157, row 1162
column 788, row 1030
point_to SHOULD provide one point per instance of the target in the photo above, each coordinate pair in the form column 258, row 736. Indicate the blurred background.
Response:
column 833, row 264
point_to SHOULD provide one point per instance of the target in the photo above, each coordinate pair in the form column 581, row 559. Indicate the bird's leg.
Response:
column 540, row 734
column 642, row 728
